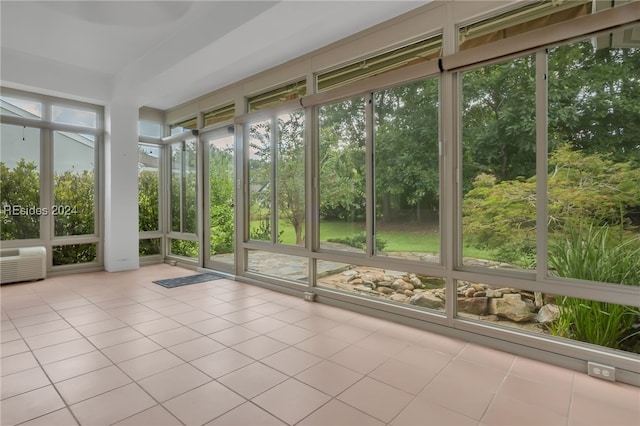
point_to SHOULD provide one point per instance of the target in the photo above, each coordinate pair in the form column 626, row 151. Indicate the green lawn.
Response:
column 409, row 240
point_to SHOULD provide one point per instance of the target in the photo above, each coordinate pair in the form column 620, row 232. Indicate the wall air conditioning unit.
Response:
column 23, row 264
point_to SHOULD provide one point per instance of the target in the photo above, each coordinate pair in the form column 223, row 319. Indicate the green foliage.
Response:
column 148, row 207
column 184, row 248
column 359, row 241
column 19, row 186
column 221, row 210
column 501, row 215
column 149, row 247
column 596, row 253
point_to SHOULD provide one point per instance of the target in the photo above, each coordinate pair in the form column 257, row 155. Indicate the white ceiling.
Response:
column 163, row 53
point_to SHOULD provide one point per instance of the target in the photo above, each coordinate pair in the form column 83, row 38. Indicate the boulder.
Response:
column 548, row 314
column 473, row 305
column 427, row 300
column 511, row 306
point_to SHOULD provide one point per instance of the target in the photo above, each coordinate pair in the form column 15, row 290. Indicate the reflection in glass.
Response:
column 19, row 182
column 406, row 142
column 342, row 175
column 499, row 165
column 75, row 116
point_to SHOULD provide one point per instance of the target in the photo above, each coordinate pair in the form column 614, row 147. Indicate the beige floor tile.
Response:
column 538, row 394
column 292, row 316
column 195, row 407
column 425, row 413
column 291, row 400
column 113, row 406
column 191, row 317
column 222, row 362
column 134, row 318
column 16, row 363
column 196, row 348
column 329, row 377
column 24, row 381
column 25, row 312
column 265, row 325
column 291, row 334
column 114, row 337
column 358, row 359
column 175, row 309
column 252, row 380
column 322, row 345
column 348, row 333
column 173, row 382
column 36, row 319
column 76, row 366
column 150, row 364
column 336, row 413
column 427, row 359
column 317, row 323
column 43, row 328
column 175, row 336
column 259, row 347
column 507, row 411
column 89, row 318
column 63, row 350
column 156, row 326
column 242, row 316
column 247, row 414
column 233, row 335
column 376, row 398
column 100, row 327
column 487, row 356
column 383, row 344
column 211, row 325
column 29, row 405
column 57, row 418
column 131, row 349
column 269, row 308
column 291, row 360
column 155, row 416
column 13, row 348
column 55, row 337
column 10, row 336
column 91, row 384
column 402, row 376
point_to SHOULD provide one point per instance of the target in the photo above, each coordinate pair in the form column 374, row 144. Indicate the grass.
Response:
column 403, row 238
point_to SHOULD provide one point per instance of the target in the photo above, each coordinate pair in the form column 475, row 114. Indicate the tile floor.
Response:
column 114, row 348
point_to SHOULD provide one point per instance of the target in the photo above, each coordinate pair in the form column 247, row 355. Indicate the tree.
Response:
column 582, row 188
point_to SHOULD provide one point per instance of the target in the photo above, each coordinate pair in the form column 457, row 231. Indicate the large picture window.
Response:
column 49, row 175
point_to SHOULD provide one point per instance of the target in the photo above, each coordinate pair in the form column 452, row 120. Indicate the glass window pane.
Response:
column 78, row 117
column 147, row 128
column 20, row 182
column 14, row 107
column 342, row 175
column 404, row 287
column 290, row 182
column 183, row 248
column 74, row 183
column 278, row 265
column 407, row 181
column 594, row 160
column 183, row 196
column 74, row 253
column 149, row 247
column 221, row 197
column 598, row 323
column 260, row 173
column 148, row 178
column 499, row 165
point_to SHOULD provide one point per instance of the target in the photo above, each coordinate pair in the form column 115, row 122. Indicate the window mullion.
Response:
column 541, row 163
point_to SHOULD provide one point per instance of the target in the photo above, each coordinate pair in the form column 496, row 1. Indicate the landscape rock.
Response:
column 427, row 300
column 511, row 306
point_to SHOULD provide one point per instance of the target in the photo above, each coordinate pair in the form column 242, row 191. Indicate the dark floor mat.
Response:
column 191, row 279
